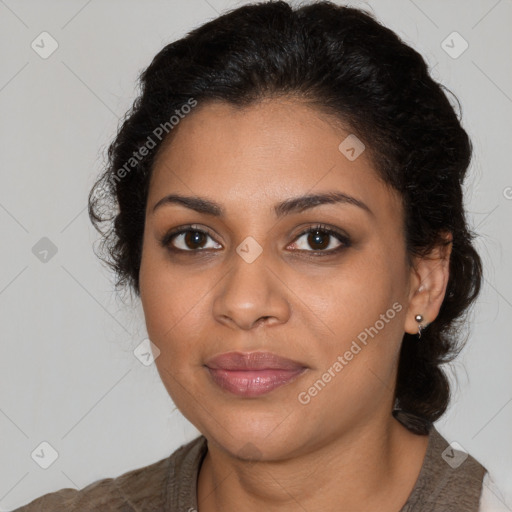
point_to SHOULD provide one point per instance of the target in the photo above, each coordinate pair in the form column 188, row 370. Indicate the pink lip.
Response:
column 252, row 374
column 252, row 361
column 250, row 383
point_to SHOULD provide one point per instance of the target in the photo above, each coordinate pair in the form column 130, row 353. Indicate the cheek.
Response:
column 363, row 306
column 359, row 293
column 175, row 303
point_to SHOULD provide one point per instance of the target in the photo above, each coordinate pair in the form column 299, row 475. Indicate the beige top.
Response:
column 449, row 480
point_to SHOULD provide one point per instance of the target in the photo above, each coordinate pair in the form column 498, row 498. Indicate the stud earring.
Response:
column 419, row 319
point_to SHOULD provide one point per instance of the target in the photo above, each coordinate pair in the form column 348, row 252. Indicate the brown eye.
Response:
column 318, row 240
column 189, row 240
column 321, row 239
column 194, row 239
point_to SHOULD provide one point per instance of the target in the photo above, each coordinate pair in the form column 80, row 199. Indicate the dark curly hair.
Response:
column 347, row 64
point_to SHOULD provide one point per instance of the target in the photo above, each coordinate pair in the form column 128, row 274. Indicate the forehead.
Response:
column 262, row 154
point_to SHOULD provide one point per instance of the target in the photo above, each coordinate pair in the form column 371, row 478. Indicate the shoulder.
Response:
column 143, row 488
column 449, row 479
column 492, row 499
column 145, row 485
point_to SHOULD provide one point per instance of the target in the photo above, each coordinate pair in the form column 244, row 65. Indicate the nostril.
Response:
column 262, row 319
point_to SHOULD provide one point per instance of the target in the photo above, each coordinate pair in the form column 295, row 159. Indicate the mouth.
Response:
column 251, row 383
column 252, row 374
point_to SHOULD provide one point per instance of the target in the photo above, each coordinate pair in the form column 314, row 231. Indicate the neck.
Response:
column 371, row 468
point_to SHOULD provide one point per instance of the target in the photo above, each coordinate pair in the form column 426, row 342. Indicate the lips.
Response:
column 252, row 374
column 252, row 361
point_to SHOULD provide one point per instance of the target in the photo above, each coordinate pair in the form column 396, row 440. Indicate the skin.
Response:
column 343, row 450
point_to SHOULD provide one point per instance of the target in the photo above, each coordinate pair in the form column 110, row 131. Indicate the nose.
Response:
column 251, row 294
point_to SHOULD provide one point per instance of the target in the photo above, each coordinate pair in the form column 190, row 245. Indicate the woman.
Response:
column 286, row 198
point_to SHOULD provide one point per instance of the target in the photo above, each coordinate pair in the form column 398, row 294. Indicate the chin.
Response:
column 253, row 435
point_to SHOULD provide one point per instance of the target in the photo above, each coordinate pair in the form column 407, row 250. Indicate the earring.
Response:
column 419, row 319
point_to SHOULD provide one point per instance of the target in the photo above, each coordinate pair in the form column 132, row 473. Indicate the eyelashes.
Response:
column 170, row 237
column 322, row 232
column 192, row 235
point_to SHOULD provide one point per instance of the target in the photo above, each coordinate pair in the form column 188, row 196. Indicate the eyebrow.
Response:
column 287, row 207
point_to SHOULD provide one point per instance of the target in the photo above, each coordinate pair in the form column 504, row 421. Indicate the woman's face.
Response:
column 257, row 281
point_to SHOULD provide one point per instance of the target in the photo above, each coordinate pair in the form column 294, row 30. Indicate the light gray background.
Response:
column 67, row 369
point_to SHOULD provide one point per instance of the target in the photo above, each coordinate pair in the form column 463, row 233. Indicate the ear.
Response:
column 428, row 282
